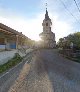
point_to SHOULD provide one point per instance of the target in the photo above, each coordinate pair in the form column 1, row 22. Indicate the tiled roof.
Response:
column 11, row 30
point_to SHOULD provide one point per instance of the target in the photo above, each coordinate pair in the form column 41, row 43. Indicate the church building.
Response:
column 47, row 36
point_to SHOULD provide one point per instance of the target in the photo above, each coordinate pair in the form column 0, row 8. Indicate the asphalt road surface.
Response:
column 48, row 71
column 8, row 78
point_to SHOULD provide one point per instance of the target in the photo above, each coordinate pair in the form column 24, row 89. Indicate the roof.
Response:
column 11, row 30
column 46, row 15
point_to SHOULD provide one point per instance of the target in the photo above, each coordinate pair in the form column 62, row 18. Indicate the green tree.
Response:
column 60, row 42
column 75, row 38
column 66, row 41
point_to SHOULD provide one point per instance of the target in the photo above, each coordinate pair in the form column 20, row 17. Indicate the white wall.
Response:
column 2, row 47
column 6, row 55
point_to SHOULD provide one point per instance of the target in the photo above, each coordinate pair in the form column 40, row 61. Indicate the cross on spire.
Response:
column 46, row 15
column 46, row 6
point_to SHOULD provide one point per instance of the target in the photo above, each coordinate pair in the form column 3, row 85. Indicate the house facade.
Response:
column 10, row 38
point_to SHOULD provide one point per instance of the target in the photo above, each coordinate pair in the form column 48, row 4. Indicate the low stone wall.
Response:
column 6, row 55
column 22, row 52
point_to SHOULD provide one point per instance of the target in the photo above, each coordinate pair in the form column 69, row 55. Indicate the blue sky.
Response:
column 27, row 16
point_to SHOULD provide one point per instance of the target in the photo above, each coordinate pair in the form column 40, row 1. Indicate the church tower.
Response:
column 47, row 36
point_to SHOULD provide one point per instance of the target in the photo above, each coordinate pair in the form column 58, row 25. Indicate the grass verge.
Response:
column 76, row 59
column 12, row 62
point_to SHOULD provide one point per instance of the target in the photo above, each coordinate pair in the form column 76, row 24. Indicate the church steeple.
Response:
column 47, row 36
column 46, row 15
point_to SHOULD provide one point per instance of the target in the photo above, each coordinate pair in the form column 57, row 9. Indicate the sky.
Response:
column 26, row 16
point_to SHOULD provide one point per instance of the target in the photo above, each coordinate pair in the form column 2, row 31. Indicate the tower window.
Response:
column 46, row 24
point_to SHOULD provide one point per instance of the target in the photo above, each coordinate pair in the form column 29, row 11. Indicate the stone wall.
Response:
column 6, row 55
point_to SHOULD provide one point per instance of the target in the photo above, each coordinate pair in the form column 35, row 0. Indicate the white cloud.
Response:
column 29, row 27
column 61, row 28
column 32, row 27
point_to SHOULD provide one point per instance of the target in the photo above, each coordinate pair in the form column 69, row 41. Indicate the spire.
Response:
column 46, row 15
column 46, row 7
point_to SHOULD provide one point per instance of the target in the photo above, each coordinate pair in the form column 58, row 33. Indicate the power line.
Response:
column 77, row 5
column 68, row 10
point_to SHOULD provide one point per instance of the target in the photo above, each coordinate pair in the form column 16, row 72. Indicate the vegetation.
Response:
column 72, row 38
column 76, row 59
column 15, row 60
column 70, row 46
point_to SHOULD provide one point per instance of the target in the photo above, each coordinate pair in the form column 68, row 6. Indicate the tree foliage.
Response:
column 71, row 38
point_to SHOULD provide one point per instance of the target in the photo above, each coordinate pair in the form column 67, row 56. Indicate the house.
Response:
column 11, row 39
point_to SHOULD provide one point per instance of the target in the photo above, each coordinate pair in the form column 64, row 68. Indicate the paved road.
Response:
column 48, row 72
column 8, row 78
